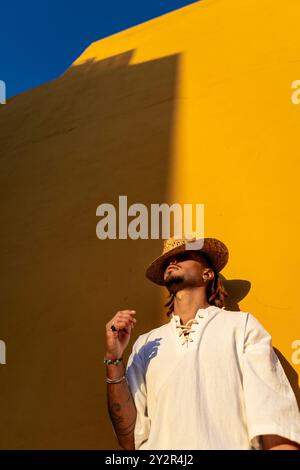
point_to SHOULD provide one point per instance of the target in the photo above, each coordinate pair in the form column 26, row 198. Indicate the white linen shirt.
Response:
column 220, row 391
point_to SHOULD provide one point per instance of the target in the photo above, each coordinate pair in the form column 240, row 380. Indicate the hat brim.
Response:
column 216, row 251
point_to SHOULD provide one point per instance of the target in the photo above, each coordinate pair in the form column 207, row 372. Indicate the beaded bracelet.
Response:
column 114, row 362
column 115, row 381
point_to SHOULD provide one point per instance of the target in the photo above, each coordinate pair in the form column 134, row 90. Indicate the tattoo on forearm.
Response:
column 115, row 417
column 128, row 398
column 122, row 413
column 127, row 430
column 120, row 423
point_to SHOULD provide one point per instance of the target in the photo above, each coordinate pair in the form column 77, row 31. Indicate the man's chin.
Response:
column 173, row 283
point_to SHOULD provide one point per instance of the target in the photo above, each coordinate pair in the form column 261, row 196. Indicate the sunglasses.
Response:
column 184, row 256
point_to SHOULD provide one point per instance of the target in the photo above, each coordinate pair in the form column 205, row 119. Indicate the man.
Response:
column 209, row 378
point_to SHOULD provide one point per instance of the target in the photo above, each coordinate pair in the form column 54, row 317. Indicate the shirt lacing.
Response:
column 184, row 331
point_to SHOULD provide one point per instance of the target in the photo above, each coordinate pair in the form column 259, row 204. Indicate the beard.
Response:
column 174, row 283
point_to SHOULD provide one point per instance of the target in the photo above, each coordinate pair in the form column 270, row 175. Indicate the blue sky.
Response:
column 40, row 39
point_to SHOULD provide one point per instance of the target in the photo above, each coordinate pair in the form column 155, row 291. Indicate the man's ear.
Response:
column 208, row 274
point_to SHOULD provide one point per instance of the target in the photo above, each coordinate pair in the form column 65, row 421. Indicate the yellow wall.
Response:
column 192, row 107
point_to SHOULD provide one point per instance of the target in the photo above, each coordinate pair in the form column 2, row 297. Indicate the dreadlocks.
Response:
column 216, row 292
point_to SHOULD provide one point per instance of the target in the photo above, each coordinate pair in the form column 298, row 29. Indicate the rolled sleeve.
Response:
column 135, row 375
column 270, row 403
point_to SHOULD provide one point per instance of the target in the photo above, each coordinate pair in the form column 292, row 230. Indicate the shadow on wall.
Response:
column 237, row 289
column 101, row 130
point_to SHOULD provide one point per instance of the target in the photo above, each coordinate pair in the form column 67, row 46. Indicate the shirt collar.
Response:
column 205, row 312
column 201, row 313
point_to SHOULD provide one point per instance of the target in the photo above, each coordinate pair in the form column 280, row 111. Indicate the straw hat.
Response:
column 216, row 251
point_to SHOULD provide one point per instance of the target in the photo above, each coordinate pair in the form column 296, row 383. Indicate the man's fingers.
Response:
column 126, row 312
column 124, row 315
column 123, row 319
column 119, row 324
column 123, row 323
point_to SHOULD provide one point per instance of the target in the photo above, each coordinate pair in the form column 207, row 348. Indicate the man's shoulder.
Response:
column 242, row 318
column 235, row 317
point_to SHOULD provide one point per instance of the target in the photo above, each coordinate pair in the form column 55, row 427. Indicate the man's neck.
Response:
column 188, row 301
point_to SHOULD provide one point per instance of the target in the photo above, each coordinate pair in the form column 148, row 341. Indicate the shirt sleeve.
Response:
column 135, row 375
column 271, row 406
